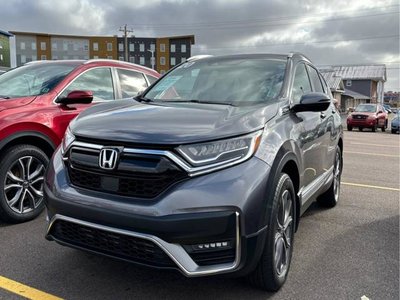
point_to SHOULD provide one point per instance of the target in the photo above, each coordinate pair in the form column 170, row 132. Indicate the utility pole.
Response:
column 152, row 60
column 125, row 31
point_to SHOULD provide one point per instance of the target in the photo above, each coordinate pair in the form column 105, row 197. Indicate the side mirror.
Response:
column 76, row 97
column 312, row 102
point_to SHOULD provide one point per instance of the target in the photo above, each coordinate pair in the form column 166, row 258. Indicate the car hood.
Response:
column 15, row 102
column 169, row 123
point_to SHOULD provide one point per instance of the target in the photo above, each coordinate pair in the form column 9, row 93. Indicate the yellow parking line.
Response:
column 378, row 145
column 24, row 290
column 371, row 186
column 373, row 154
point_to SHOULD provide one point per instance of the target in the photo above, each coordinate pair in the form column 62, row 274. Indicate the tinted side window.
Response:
column 316, row 82
column 132, row 82
column 98, row 81
column 301, row 83
column 151, row 79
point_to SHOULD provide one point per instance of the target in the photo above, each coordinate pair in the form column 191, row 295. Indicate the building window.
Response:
column 173, row 48
column 23, row 59
column 152, row 47
column 33, row 45
column 162, row 47
column 86, row 57
column 42, row 45
column 183, row 48
column 173, row 61
column 22, row 45
column 121, row 58
column 76, row 47
column 1, row 57
column 43, row 57
column 95, row 57
column 348, row 82
column 162, row 60
column 54, row 46
column 54, row 57
column 183, row 59
column 65, row 46
column 109, row 46
column 131, row 47
column 86, row 47
column 132, row 59
column 95, row 46
column 34, row 57
column 142, row 61
column 141, row 47
column 120, row 47
column 109, row 57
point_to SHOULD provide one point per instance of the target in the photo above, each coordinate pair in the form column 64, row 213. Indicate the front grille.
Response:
column 110, row 243
column 360, row 117
column 136, row 175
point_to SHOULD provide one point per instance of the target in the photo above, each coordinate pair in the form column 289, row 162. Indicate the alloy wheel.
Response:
column 284, row 232
column 23, row 184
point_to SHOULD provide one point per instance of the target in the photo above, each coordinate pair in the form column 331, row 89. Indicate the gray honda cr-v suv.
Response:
column 207, row 172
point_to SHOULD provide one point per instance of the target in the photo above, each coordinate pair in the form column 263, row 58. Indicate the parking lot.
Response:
column 347, row 252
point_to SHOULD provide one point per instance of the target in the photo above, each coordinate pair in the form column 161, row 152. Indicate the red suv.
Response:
column 368, row 116
column 37, row 102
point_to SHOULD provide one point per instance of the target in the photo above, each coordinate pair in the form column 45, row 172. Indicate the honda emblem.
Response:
column 108, row 158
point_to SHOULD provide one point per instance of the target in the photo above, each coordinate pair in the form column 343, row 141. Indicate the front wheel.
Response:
column 331, row 197
column 273, row 267
column 21, row 183
column 349, row 128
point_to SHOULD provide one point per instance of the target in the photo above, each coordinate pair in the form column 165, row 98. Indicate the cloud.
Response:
column 233, row 26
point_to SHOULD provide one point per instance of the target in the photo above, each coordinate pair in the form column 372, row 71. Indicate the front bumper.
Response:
column 361, row 123
column 224, row 206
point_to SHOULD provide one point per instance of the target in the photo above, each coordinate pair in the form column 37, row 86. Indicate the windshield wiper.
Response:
column 4, row 97
column 201, row 101
column 142, row 99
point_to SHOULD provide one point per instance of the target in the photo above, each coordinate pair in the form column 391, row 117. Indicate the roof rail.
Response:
column 122, row 62
column 199, row 57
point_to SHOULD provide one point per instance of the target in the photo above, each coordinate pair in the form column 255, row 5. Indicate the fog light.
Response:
column 213, row 246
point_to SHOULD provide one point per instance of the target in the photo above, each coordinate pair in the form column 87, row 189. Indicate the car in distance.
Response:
column 387, row 108
column 395, row 124
column 208, row 172
column 368, row 115
column 37, row 102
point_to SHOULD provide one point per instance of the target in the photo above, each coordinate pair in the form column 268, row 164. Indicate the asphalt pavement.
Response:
column 348, row 252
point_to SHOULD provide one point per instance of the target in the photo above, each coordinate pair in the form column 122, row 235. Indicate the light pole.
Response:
column 152, row 60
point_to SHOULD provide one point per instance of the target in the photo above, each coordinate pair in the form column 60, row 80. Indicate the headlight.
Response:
column 221, row 152
column 67, row 140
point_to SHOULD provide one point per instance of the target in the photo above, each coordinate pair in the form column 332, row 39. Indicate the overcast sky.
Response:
column 328, row 32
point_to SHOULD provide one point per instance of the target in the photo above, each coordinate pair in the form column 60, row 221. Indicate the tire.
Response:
column 271, row 271
column 360, row 129
column 349, row 128
column 331, row 197
column 384, row 127
column 21, row 183
column 393, row 131
column 375, row 127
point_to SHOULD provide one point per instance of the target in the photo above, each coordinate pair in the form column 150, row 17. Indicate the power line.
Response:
column 261, row 19
column 305, row 43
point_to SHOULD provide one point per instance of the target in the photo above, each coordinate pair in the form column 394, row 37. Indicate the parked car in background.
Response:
column 371, row 116
column 388, row 108
column 37, row 102
column 395, row 124
column 208, row 172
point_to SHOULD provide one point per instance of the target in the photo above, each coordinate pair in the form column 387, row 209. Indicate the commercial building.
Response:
column 158, row 53
column 5, row 49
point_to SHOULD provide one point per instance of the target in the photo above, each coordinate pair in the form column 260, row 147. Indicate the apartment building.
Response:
column 5, row 49
column 158, row 53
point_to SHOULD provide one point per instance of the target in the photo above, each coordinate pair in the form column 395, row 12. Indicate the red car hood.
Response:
column 15, row 102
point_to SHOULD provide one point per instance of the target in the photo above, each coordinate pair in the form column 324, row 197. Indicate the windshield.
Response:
column 366, row 108
column 32, row 80
column 224, row 81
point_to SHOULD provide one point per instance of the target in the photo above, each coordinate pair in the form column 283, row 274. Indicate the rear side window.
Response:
column 98, row 81
column 151, row 79
column 132, row 82
column 301, row 83
column 316, row 82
